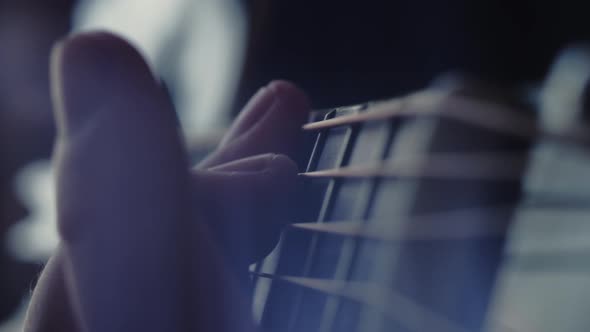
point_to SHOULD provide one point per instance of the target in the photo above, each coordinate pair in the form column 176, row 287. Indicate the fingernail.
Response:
column 92, row 70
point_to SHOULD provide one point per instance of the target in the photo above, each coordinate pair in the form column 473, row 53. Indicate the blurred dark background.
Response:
column 352, row 51
column 340, row 52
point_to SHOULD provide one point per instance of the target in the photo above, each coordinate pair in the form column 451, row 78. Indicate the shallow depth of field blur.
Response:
column 213, row 54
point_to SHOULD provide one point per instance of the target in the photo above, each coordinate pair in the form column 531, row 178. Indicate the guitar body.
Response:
column 415, row 211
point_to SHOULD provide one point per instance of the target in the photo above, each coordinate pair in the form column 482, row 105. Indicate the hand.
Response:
column 139, row 229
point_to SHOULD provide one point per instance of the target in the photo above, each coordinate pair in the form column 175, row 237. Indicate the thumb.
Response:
column 247, row 202
column 120, row 174
column 122, row 183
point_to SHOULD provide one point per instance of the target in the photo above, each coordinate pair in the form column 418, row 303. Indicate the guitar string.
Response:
column 534, row 259
column 556, row 261
column 414, row 317
column 457, row 224
column 368, row 175
column 449, row 224
column 460, row 116
column 501, row 166
column 324, row 225
column 511, row 329
column 482, row 114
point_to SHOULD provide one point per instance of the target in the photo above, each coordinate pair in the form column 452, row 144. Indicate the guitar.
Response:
column 441, row 211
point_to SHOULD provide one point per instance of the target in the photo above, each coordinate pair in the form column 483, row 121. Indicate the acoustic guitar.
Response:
column 441, row 211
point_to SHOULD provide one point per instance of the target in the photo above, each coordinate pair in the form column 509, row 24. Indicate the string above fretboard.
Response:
column 439, row 103
column 430, row 211
column 485, row 166
column 398, row 307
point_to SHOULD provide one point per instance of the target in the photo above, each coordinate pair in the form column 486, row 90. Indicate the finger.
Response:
column 270, row 123
column 248, row 164
column 260, row 192
column 120, row 178
column 122, row 197
column 50, row 308
column 260, row 103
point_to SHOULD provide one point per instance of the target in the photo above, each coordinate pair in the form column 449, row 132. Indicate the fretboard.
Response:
column 439, row 212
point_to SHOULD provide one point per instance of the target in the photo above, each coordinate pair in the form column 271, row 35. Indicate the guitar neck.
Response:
column 410, row 205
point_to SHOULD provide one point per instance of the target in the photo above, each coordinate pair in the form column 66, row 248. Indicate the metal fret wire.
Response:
column 369, row 320
column 326, row 206
column 313, row 159
column 527, row 257
column 349, row 252
column 299, row 299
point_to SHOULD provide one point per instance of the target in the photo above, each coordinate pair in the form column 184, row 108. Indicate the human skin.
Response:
column 148, row 242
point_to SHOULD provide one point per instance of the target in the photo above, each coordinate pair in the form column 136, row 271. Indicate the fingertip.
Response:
column 93, row 68
column 283, row 165
column 294, row 106
column 85, row 48
column 271, row 122
column 115, row 126
column 290, row 94
column 284, row 86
